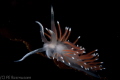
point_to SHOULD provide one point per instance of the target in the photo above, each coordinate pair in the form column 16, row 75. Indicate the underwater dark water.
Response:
column 95, row 22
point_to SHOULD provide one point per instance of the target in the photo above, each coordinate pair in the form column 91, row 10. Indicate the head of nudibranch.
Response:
column 68, row 53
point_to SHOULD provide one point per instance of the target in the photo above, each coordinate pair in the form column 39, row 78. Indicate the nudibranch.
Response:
column 60, row 48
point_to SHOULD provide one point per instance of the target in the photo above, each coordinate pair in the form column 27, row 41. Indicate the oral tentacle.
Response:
column 30, row 53
column 42, row 32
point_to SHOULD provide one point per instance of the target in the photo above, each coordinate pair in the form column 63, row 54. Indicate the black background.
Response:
column 95, row 21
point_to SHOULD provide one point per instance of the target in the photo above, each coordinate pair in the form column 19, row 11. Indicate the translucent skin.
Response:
column 68, row 53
